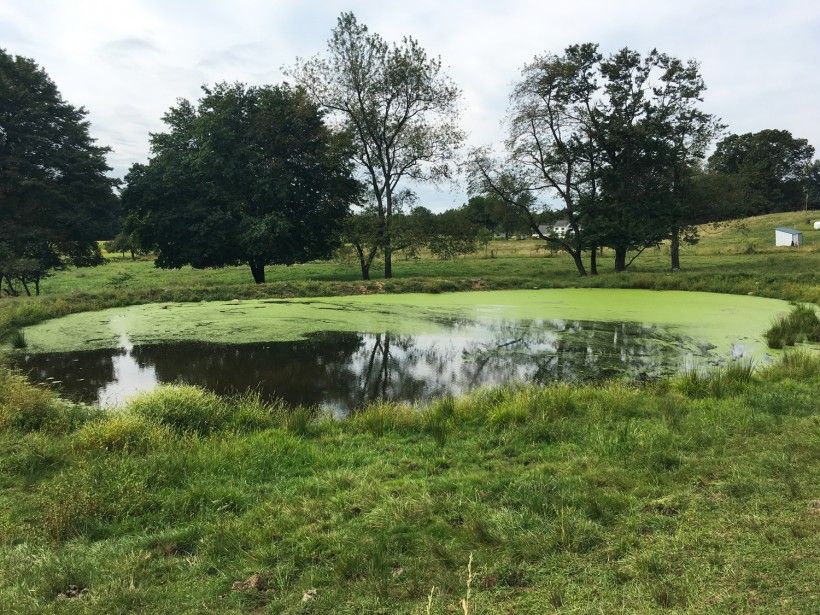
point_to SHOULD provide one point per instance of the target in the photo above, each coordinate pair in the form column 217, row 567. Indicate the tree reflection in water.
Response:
column 341, row 371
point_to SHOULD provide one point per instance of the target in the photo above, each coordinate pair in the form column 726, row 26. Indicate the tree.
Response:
column 396, row 102
column 686, row 132
column 452, row 234
column 550, row 149
column 363, row 232
column 772, row 163
column 631, row 131
column 247, row 175
column 811, row 185
column 490, row 212
column 123, row 242
column 55, row 197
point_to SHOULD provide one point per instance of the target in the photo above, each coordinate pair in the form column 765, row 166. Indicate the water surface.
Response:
column 339, row 352
column 342, row 370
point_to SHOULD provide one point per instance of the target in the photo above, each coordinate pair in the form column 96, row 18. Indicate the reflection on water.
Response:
column 340, row 371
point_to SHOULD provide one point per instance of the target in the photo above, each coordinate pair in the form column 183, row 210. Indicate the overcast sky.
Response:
column 127, row 61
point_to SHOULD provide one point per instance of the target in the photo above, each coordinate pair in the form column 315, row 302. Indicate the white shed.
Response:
column 785, row 236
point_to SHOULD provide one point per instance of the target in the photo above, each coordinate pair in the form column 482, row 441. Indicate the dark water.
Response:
column 340, row 371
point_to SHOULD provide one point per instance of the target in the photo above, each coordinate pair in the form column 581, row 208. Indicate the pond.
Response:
column 341, row 352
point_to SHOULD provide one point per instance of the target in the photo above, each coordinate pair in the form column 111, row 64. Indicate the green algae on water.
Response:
column 717, row 320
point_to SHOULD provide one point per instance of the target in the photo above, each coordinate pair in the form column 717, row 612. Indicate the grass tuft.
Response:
column 28, row 408
column 122, row 432
column 798, row 326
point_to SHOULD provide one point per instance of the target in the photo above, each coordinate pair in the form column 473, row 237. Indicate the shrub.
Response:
column 121, row 432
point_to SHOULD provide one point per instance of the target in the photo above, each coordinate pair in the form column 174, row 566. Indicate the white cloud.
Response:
column 128, row 61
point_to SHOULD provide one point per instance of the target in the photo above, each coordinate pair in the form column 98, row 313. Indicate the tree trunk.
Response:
column 388, row 256
column 133, row 256
column 37, row 286
column 365, row 269
column 577, row 256
column 620, row 259
column 674, row 249
column 593, row 261
column 388, row 245
column 258, row 271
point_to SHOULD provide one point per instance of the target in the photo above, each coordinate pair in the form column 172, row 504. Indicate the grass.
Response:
column 693, row 494
column 798, row 326
column 721, row 262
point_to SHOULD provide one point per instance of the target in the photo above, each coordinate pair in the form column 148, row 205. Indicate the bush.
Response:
column 121, row 432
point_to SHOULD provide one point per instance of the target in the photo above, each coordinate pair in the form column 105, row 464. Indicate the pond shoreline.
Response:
column 16, row 313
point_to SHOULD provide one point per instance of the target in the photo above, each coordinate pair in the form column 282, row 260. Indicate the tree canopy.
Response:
column 774, row 166
column 397, row 103
column 56, row 199
column 247, row 175
column 610, row 140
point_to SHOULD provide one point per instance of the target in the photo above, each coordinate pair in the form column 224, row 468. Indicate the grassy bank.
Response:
column 695, row 494
column 736, row 258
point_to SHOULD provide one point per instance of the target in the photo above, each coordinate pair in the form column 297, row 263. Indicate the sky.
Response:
column 128, row 61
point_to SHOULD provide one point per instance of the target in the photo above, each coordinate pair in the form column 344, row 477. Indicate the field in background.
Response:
column 738, row 248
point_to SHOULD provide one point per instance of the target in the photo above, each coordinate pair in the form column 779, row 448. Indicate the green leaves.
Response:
column 247, row 175
column 55, row 197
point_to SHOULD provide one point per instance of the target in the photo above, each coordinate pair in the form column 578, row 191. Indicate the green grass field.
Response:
column 695, row 494
column 735, row 250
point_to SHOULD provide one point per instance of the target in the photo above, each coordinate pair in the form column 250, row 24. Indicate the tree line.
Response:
column 616, row 145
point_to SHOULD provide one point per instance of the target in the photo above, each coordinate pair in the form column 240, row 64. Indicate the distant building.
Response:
column 559, row 229
column 785, row 236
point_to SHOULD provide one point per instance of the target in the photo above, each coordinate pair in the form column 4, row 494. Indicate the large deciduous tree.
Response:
column 247, row 175
column 399, row 105
column 55, row 197
column 551, row 155
column 686, row 132
column 610, row 141
column 651, row 132
column 771, row 163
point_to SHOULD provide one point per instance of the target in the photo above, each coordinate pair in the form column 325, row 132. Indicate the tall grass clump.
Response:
column 183, row 408
column 799, row 325
column 17, row 340
column 28, row 408
column 118, row 431
column 797, row 364
column 718, row 382
column 436, row 419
